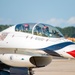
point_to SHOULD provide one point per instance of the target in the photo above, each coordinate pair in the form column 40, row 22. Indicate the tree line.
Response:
column 2, row 27
column 66, row 31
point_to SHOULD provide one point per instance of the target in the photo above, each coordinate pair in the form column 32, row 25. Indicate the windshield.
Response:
column 39, row 29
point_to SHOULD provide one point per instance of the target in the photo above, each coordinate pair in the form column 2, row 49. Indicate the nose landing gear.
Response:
column 31, row 72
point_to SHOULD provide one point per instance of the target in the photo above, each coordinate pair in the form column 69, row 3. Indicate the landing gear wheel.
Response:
column 31, row 72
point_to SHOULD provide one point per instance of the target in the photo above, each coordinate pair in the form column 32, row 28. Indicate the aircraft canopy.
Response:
column 39, row 29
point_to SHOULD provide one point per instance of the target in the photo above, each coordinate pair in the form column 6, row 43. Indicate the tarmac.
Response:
column 57, row 67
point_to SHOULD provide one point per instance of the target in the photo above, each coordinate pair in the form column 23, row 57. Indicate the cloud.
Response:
column 52, row 21
column 55, row 21
column 71, row 21
column 61, row 22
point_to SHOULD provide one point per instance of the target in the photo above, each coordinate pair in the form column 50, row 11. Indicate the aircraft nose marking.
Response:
column 72, row 53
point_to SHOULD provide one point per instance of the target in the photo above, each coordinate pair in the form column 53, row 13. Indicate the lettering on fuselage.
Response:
column 40, row 39
column 37, row 38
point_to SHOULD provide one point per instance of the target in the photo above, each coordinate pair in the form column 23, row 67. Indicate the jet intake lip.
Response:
column 72, row 53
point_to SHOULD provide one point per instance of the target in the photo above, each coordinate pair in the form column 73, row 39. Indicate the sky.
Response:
column 54, row 12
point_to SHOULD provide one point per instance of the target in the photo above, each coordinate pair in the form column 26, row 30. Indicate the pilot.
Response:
column 26, row 27
column 45, row 30
column 38, row 30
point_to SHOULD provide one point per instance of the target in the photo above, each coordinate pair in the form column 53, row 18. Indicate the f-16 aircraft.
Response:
column 32, row 45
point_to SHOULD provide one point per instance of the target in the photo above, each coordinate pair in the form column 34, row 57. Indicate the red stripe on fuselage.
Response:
column 72, row 53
